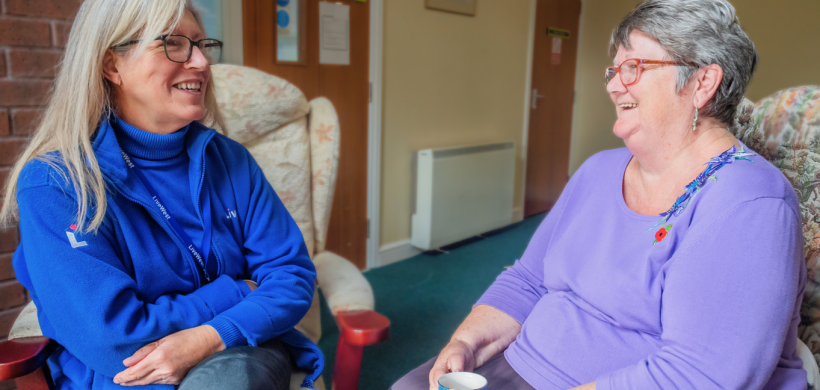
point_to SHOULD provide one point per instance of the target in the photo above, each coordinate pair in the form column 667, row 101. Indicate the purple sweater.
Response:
column 713, row 304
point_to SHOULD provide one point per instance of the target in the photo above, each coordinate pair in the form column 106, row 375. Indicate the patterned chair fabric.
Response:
column 268, row 116
column 784, row 128
column 324, row 154
column 296, row 144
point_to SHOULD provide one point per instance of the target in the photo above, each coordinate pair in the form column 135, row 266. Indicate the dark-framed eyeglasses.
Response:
column 630, row 70
column 178, row 48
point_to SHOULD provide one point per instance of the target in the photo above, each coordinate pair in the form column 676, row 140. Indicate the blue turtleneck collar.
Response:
column 149, row 146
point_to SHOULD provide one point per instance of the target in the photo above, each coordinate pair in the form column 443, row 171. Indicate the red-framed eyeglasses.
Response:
column 630, row 70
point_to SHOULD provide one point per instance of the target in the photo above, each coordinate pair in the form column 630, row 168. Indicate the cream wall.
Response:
column 455, row 80
column 786, row 34
column 449, row 80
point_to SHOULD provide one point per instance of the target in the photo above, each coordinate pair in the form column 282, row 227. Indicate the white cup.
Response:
column 462, row 381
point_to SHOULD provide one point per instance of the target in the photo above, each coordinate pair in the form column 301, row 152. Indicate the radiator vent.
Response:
column 460, row 192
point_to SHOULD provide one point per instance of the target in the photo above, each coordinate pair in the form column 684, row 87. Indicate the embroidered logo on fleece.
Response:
column 231, row 214
column 72, row 239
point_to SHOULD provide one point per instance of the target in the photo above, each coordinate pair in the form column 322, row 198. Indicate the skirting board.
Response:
column 396, row 251
column 400, row 250
column 518, row 214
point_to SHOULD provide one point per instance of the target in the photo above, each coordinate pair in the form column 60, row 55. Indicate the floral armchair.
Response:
column 296, row 144
column 784, row 128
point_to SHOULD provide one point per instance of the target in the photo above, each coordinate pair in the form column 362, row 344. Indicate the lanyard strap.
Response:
column 206, row 234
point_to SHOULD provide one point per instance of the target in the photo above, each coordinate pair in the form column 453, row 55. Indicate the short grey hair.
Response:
column 698, row 32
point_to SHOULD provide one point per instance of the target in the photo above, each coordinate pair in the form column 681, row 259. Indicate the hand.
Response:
column 251, row 284
column 455, row 357
column 169, row 359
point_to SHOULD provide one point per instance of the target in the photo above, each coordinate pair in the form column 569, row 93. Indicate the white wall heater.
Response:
column 460, row 192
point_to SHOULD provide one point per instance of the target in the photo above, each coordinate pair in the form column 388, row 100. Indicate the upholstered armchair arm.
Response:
column 325, row 138
column 342, row 284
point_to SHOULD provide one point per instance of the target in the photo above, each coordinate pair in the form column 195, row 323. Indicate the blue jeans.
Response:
column 267, row 366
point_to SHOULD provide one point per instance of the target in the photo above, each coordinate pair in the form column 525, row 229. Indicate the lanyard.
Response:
column 206, row 211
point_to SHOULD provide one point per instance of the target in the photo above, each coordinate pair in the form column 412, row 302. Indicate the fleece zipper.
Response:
column 177, row 240
column 198, row 205
column 126, row 192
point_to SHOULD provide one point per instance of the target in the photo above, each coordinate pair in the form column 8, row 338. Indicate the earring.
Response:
column 119, row 82
column 695, row 121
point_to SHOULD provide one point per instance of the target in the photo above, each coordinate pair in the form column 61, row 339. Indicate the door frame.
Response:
column 573, row 132
column 232, row 29
column 525, row 134
column 232, row 32
column 374, row 134
column 519, row 214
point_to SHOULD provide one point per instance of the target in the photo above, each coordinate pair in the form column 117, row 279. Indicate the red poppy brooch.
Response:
column 662, row 233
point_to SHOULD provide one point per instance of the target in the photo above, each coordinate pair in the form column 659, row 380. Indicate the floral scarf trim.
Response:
column 694, row 187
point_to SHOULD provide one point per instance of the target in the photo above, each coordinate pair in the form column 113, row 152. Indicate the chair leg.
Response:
column 39, row 379
column 348, row 364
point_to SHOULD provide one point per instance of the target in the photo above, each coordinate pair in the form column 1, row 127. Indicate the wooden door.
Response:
column 347, row 87
column 553, row 93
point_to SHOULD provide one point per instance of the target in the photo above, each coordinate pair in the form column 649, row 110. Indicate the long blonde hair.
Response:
column 82, row 96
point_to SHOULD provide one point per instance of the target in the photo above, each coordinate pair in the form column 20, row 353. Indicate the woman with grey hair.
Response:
column 136, row 269
column 675, row 262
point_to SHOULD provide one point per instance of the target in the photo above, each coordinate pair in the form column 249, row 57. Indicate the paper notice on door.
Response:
column 556, row 51
column 334, row 33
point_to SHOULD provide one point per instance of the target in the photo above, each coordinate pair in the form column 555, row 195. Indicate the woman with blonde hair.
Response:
column 134, row 266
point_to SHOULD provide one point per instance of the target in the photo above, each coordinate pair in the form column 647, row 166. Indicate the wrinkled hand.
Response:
column 455, row 357
column 169, row 359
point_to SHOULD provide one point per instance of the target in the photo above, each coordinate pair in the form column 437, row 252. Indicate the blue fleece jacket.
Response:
column 104, row 295
column 163, row 160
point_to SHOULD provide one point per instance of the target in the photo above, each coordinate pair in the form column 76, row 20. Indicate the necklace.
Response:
column 694, row 187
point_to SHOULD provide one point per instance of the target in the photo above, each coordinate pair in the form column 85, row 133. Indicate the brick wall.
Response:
column 32, row 37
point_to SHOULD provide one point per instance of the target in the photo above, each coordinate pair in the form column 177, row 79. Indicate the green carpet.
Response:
column 426, row 298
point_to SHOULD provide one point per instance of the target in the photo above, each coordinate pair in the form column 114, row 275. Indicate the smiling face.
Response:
column 156, row 94
column 650, row 113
